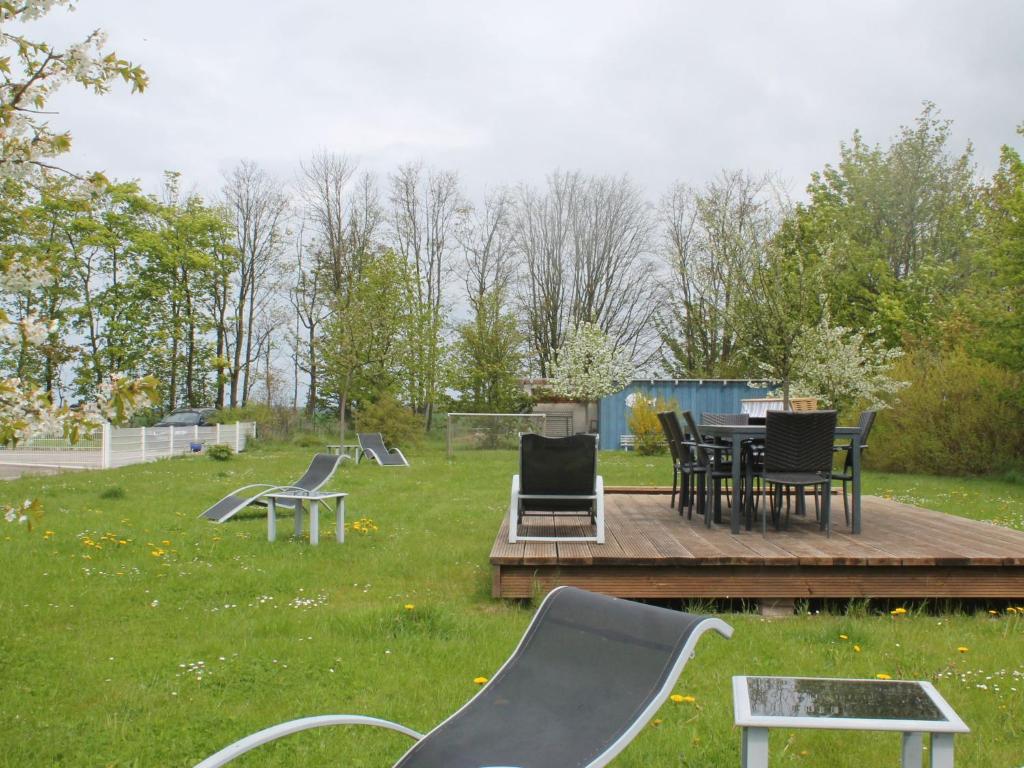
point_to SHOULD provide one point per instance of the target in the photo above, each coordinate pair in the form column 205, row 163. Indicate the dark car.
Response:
column 187, row 417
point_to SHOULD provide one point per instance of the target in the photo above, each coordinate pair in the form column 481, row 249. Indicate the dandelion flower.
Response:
column 676, row 698
column 844, row 637
column 898, row 611
column 963, row 649
column 883, row 676
column 409, row 606
column 656, row 722
column 480, row 680
column 856, row 649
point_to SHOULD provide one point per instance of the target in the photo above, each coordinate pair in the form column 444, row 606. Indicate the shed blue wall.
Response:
column 707, row 396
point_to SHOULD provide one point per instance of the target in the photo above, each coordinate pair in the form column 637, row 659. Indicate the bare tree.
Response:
column 308, row 298
column 426, row 207
column 325, row 178
column 712, row 239
column 258, row 209
column 584, row 250
column 486, row 239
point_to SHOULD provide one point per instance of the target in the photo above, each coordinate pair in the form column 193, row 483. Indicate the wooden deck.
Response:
column 652, row 552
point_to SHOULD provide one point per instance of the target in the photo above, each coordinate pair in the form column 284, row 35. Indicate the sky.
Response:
column 507, row 92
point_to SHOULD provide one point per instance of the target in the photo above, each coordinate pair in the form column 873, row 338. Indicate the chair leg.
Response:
column 846, row 504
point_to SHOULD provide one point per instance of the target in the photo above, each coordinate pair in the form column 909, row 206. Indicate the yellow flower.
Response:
column 898, row 611
column 963, row 649
column 883, row 676
column 679, row 699
column 409, row 606
column 480, row 680
column 656, row 722
column 1011, row 609
column 157, row 552
column 689, row 699
column 856, row 649
column 166, row 543
column 844, row 637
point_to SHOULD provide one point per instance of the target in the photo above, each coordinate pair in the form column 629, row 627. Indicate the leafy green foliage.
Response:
column 486, row 360
column 960, row 415
column 219, row 452
column 643, row 423
column 395, row 421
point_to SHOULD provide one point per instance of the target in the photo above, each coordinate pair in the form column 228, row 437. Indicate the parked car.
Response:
column 187, row 417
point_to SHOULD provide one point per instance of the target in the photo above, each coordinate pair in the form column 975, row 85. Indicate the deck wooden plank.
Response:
column 651, row 550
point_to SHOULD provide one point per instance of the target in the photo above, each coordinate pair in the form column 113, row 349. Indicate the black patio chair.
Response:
column 371, row 444
column 588, row 675
column 864, row 424
column 321, row 468
column 710, row 471
column 798, row 454
column 676, row 451
column 684, row 445
column 557, row 476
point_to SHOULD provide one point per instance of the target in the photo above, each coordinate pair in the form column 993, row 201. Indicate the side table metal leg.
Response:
column 754, row 750
column 271, row 519
column 339, row 513
column 298, row 518
column 314, row 521
column 941, row 754
column 910, row 755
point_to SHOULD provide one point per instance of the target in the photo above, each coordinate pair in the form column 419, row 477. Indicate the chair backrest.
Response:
column 703, row 455
column 320, row 470
column 673, row 447
column 372, row 441
column 864, row 424
column 799, row 441
column 678, row 436
column 557, row 465
column 587, row 676
column 725, row 419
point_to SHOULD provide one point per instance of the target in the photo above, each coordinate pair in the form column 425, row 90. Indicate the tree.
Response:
column 588, row 366
column 426, row 206
column 258, row 211
column 712, row 240
column 842, row 367
column 486, row 362
column 364, row 338
column 779, row 303
column 583, row 246
column 994, row 300
column 895, row 223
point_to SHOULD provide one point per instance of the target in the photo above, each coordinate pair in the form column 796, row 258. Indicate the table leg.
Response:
column 910, row 755
column 339, row 513
column 271, row 519
column 314, row 521
column 754, row 749
column 941, row 755
column 856, row 483
column 298, row 518
column 737, row 503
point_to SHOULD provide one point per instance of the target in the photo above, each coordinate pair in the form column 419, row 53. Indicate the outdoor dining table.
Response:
column 735, row 435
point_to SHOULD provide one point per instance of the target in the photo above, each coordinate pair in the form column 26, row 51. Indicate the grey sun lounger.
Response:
column 320, row 471
column 372, row 446
column 588, row 675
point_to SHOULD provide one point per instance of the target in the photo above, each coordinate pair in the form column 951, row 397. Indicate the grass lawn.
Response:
column 135, row 634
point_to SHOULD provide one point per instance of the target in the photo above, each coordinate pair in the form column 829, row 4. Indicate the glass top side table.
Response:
column 910, row 707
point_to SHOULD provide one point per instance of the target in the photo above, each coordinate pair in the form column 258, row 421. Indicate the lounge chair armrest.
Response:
column 275, row 732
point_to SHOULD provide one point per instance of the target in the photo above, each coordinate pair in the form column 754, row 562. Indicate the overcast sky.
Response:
column 507, row 92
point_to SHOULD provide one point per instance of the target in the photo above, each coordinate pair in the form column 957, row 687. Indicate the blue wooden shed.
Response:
column 697, row 395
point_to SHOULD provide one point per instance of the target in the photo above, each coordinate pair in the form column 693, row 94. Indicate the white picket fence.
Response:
column 121, row 446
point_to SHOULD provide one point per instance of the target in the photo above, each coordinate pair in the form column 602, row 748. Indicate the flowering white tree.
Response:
column 842, row 367
column 588, row 366
column 30, row 73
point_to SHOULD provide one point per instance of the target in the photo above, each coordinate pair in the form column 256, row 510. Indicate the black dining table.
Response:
column 736, row 434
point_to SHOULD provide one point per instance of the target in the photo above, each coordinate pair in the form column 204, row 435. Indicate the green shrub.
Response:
column 219, row 452
column 113, row 492
column 959, row 416
column 399, row 425
column 275, row 422
column 643, row 423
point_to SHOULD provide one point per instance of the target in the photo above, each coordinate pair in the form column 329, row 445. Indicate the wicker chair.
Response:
column 798, row 454
column 684, row 445
column 864, row 424
column 710, row 470
column 676, row 451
